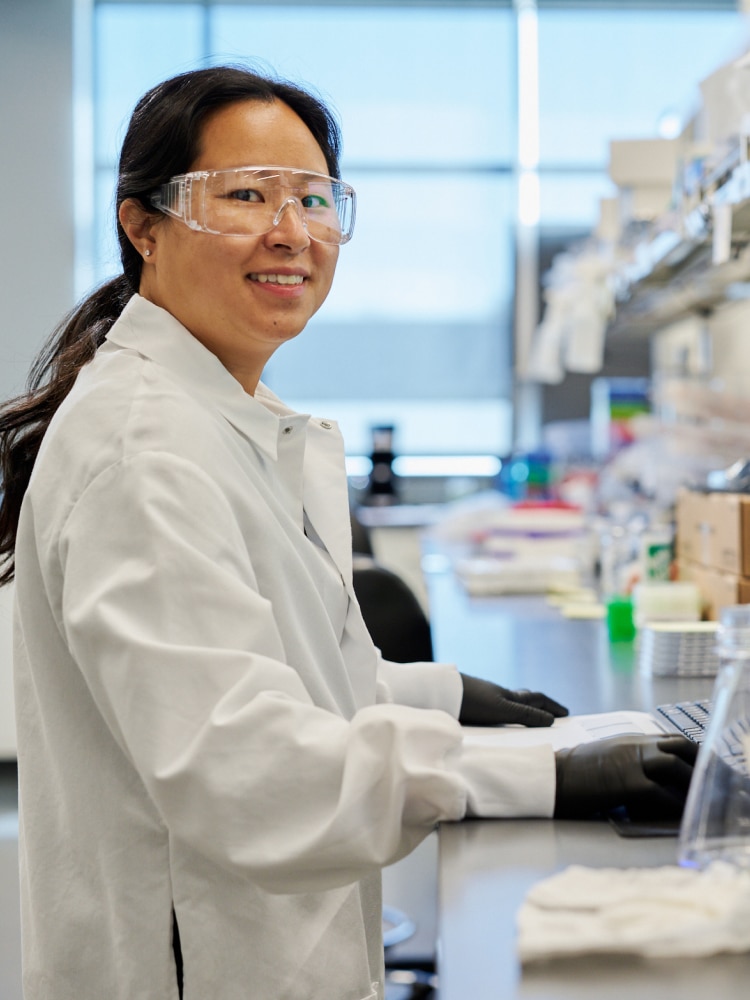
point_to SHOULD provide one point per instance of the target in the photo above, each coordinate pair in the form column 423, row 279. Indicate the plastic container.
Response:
column 657, row 553
column 620, row 624
column 674, row 601
column 716, row 822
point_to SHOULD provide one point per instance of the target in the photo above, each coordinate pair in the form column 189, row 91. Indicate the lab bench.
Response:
column 486, row 867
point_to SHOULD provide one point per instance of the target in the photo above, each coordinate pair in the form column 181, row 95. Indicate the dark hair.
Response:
column 163, row 139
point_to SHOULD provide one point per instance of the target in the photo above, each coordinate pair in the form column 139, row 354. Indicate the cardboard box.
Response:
column 689, row 543
column 718, row 590
column 644, row 162
column 713, row 530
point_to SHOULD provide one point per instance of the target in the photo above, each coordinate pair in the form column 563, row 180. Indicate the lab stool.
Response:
column 404, row 984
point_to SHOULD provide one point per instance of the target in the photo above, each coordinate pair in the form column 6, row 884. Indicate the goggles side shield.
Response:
column 249, row 201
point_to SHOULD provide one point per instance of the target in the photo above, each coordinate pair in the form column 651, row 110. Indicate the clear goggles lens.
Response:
column 251, row 201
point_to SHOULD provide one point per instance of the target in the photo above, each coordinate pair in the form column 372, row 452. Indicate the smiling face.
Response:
column 240, row 296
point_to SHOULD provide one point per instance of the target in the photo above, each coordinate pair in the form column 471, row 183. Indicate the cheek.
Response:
column 203, row 255
column 328, row 267
column 209, row 282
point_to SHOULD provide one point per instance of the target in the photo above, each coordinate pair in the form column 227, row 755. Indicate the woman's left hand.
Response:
column 488, row 704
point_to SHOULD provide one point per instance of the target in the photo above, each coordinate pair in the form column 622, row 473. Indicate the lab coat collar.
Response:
column 156, row 334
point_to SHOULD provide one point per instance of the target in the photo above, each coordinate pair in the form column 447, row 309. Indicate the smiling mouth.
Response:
column 278, row 279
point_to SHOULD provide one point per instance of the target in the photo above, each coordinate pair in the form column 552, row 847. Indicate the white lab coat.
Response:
column 203, row 720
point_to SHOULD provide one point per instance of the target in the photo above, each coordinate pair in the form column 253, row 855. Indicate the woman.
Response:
column 211, row 750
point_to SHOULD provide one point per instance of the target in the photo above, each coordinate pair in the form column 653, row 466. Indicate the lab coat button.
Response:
column 326, row 424
column 287, row 430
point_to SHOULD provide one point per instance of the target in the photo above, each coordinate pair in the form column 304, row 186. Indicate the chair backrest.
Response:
column 392, row 613
column 361, row 541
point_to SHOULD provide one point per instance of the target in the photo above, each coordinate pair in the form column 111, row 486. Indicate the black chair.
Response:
column 393, row 615
column 361, row 541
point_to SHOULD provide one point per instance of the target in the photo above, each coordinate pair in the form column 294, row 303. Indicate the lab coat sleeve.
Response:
column 421, row 685
column 483, row 769
column 490, row 794
column 183, row 658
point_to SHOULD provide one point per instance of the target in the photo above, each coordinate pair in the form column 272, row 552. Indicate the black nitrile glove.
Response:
column 648, row 775
column 488, row 704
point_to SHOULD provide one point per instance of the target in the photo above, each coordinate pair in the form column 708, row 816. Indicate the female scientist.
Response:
column 214, row 760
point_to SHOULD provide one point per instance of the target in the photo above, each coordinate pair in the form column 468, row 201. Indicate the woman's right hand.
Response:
column 647, row 775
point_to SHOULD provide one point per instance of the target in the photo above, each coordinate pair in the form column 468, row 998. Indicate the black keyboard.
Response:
column 687, row 717
column 691, row 718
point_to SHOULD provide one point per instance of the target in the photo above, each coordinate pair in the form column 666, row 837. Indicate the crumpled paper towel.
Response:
column 655, row 912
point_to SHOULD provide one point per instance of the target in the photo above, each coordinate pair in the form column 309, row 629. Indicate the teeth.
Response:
column 278, row 279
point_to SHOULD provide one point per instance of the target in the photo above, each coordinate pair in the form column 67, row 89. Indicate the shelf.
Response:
column 672, row 275
column 696, row 288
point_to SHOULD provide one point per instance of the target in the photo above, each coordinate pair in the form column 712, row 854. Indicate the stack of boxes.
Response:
column 713, row 547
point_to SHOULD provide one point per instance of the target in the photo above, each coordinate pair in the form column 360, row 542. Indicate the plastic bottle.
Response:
column 716, row 822
column 382, row 486
column 657, row 553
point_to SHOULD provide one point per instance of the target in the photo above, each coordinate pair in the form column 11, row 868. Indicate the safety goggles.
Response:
column 250, row 201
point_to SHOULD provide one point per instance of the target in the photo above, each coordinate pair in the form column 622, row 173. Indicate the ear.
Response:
column 139, row 225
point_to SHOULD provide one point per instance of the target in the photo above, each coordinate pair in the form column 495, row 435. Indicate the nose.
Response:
column 290, row 227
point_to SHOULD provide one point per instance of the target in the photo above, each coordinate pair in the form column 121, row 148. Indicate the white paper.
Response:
column 567, row 732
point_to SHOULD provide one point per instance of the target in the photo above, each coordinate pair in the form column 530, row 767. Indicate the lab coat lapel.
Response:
column 325, row 501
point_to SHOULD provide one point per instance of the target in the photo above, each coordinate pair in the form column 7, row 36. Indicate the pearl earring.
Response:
column 146, row 253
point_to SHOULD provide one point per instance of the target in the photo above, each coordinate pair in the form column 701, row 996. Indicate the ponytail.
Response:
column 24, row 420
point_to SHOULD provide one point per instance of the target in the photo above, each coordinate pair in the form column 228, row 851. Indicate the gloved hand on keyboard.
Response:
column 488, row 704
column 648, row 775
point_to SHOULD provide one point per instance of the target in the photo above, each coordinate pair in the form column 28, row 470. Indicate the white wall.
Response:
column 36, row 178
column 7, row 719
column 36, row 242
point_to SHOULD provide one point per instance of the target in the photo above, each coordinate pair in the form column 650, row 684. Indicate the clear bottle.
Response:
column 716, row 822
column 617, row 561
